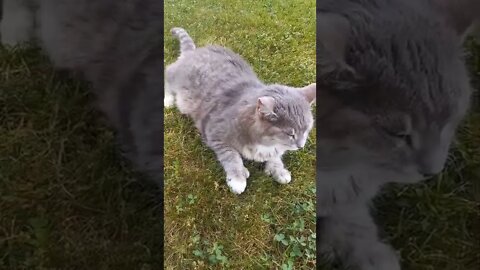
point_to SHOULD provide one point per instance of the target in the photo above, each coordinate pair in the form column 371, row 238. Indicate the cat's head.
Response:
column 283, row 116
column 392, row 89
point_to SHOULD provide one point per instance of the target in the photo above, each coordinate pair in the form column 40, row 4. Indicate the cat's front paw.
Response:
column 237, row 184
column 281, row 175
column 246, row 173
column 237, row 180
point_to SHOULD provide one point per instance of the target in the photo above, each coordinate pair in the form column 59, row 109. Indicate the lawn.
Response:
column 270, row 226
column 67, row 200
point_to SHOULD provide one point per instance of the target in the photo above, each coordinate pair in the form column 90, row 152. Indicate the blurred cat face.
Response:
column 397, row 148
column 390, row 99
column 395, row 131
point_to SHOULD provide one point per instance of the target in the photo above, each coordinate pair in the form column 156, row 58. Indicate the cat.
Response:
column 117, row 47
column 393, row 88
column 236, row 114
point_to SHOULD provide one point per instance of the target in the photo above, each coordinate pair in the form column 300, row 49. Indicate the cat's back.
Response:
column 216, row 61
column 210, row 71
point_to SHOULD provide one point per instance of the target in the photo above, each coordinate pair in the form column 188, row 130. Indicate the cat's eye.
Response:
column 407, row 138
column 291, row 134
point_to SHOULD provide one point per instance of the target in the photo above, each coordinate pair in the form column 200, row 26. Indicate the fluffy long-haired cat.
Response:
column 115, row 45
column 238, row 115
column 393, row 87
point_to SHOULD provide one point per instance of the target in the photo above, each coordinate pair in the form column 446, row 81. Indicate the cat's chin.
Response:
column 407, row 176
column 289, row 147
column 372, row 174
column 280, row 146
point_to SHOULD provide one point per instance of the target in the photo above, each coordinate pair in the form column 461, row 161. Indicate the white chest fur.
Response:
column 261, row 153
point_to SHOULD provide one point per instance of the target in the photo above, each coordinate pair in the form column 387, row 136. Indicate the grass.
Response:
column 66, row 199
column 270, row 226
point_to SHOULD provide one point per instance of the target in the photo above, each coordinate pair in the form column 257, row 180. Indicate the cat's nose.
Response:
column 432, row 162
column 430, row 169
column 300, row 143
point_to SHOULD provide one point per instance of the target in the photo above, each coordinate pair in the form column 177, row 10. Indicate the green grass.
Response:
column 270, row 226
column 66, row 200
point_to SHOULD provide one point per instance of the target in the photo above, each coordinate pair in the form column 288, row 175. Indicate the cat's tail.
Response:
column 186, row 42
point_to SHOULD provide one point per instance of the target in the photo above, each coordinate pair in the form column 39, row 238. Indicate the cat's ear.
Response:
column 333, row 32
column 462, row 15
column 333, row 37
column 310, row 93
column 265, row 106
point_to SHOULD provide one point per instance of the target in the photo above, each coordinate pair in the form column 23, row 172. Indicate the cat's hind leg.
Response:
column 169, row 98
column 275, row 168
column 170, row 93
column 17, row 24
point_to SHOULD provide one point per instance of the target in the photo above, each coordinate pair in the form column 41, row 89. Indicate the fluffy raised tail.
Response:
column 186, row 42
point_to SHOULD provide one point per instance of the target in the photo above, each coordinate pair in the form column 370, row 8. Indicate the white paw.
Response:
column 237, row 184
column 246, row 173
column 281, row 175
column 168, row 101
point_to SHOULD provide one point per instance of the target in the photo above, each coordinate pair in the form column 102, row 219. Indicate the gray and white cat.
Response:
column 238, row 115
column 393, row 87
column 115, row 45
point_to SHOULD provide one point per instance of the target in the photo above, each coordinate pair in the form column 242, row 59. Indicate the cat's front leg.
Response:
column 232, row 163
column 276, row 169
column 339, row 188
column 350, row 233
column 17, row 24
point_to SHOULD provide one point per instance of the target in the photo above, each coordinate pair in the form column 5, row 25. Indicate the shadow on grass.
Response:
column 67, row 201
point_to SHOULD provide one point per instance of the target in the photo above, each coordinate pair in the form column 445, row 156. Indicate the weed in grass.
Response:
column 299, row 241
column 66, row 199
